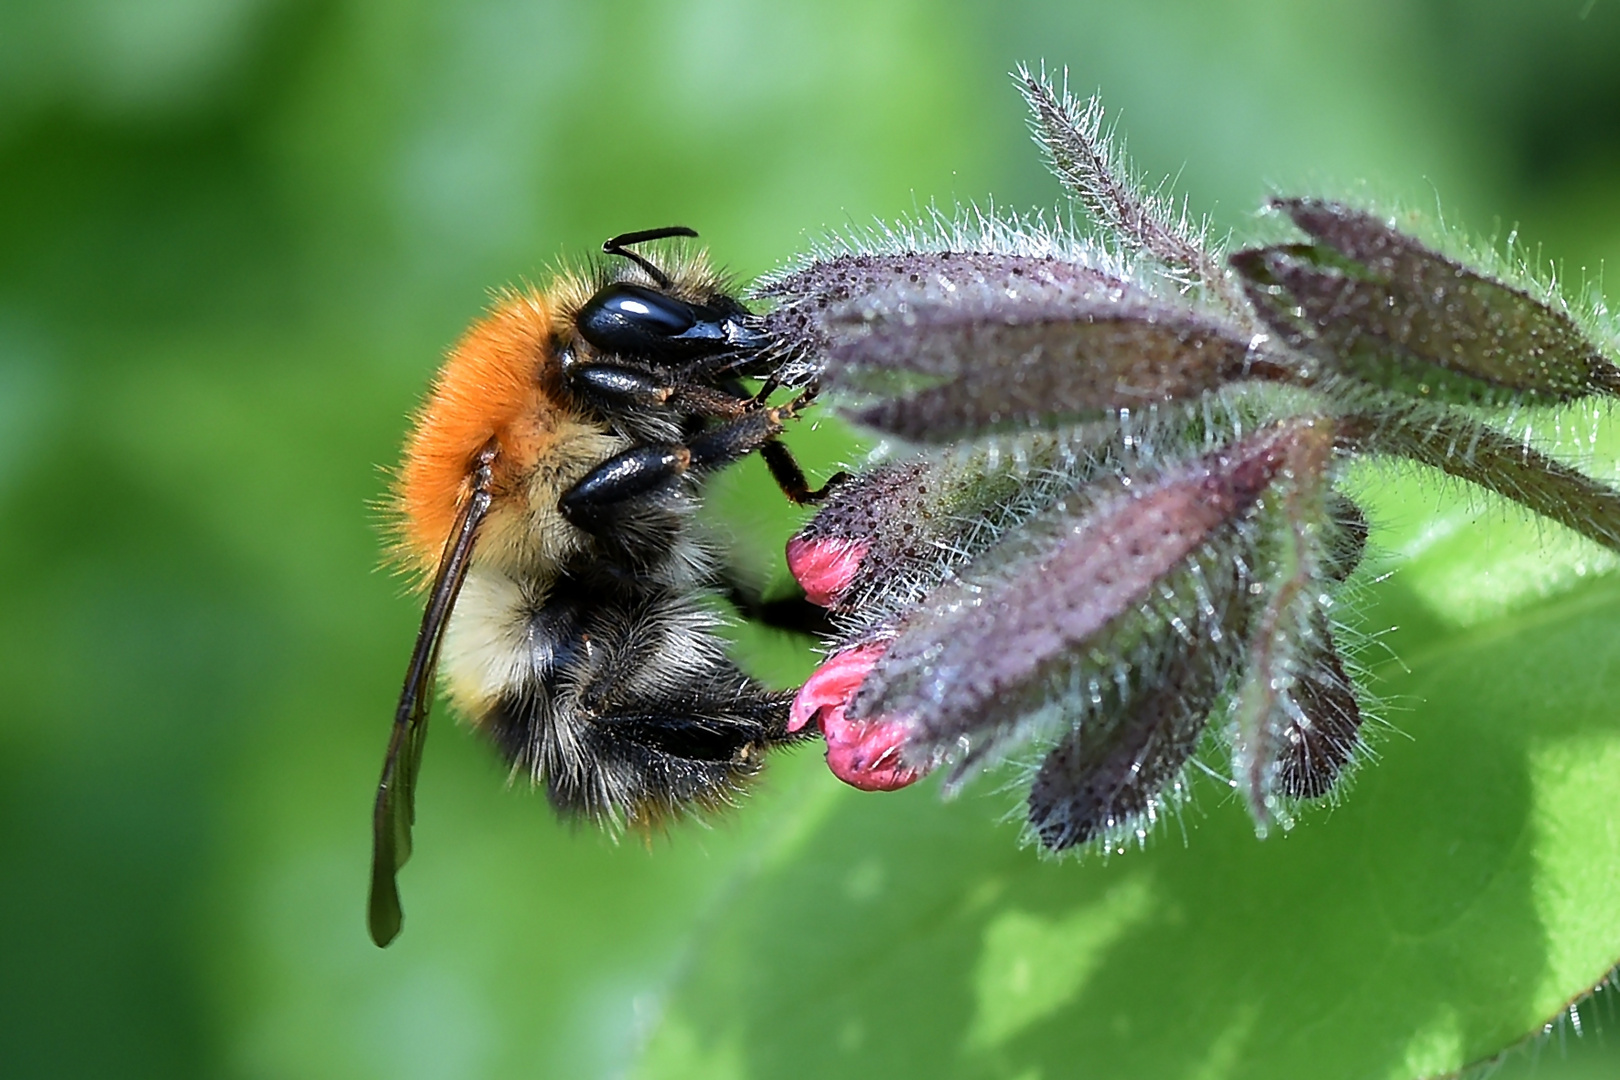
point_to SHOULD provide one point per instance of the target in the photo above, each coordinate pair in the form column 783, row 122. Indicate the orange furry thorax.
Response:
column 501, row 383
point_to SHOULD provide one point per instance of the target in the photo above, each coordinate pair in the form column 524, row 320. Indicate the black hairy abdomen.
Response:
column 631, row 711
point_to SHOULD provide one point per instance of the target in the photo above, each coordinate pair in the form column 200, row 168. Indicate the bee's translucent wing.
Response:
column 396, row 794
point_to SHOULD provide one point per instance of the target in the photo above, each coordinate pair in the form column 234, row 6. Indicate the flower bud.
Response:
column 838, row 298
column 1386, row 309
column 1024, row 366
column 887, row 535
column 952, row 344
column 862, row 753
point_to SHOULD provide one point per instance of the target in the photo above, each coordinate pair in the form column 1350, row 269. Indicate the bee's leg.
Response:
column 794, row 614
column 612, row 386
column 594, row 501
column 770, row 386
column 601, row 498
column 643, row 715
column 613, row 748
column 708, row 707
column 790, row 477
column 758, row 430
column 780, row 461
column 751, row 426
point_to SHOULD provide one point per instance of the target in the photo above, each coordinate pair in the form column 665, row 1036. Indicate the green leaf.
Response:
column 1459, row 897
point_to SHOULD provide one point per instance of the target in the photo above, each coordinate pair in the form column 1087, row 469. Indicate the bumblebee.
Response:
column 547, row 493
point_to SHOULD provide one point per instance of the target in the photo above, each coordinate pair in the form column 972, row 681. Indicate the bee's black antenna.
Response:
column 620, row 245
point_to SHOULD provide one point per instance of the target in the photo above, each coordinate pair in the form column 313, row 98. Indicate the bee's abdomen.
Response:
column 632, row 710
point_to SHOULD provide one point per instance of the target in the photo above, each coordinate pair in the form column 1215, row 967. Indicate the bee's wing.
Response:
column 396, row 795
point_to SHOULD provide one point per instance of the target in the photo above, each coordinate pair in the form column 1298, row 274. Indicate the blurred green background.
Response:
column 235, row 237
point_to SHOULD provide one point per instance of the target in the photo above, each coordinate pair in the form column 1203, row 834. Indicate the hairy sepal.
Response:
column 839, row 296
column 937, row 346
column 1472, row 450
column 1092, row 165
column 852, row 288
column 1292, row 603
column 1321, row 734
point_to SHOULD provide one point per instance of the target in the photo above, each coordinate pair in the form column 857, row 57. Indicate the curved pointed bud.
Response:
column 1386, row 309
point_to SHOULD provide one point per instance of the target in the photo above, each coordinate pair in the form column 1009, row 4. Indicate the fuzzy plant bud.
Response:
column 946, row 346
column 1386, row 309
column 872, row 526
column 836, row 300
column 888, row 534
column 1118, row 772
column 1030, row 367
column 1320, row 737
column 1321, row 728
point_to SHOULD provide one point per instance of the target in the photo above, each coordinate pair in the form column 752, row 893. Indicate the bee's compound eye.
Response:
column 634, row 320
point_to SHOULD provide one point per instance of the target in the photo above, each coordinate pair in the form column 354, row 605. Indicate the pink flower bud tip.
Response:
column 825, row 567
column 862, row 753
column 866, row 753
